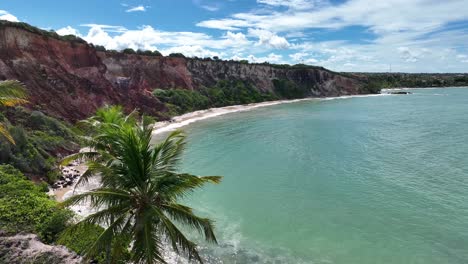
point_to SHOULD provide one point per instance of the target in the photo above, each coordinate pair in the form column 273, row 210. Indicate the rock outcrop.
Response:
column 26, row 248
column 70, row 79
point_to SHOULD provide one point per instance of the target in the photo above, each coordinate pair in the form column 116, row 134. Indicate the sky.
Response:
column 342, row 35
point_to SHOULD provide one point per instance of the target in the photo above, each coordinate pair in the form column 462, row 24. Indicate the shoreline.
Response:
column 199, row 115
column 195, row 116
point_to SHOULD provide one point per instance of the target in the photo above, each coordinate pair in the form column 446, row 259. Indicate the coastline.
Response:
column 191, row 117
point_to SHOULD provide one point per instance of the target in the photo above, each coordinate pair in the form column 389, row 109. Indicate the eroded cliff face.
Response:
column 321, row 82
column 65, row 79
column 70, row 80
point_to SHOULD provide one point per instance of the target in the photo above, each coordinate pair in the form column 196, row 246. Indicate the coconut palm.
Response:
column 11, row 93
column 140, row 188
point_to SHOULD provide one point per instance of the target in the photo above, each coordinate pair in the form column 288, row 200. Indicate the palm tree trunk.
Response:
column 109, row 246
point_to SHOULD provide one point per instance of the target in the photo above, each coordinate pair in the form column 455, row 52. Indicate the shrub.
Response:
column 24, row 207
column 224, row 93
column 129, row 51
column 100, row 48
column 177, row 55
column 81, row 238
column 39, row 139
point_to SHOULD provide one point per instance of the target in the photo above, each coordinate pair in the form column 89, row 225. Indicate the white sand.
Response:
column 188, row 118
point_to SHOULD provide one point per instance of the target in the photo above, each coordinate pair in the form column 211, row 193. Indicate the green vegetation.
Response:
column 100, row 48
column 149, row 53
column 177, row 55
column 31, row 139
column 181, row 100
column 224, row 93
column 50, row 34
column 83, row 238
column 393, row 80
column 129, row 51
column 140, row 190
column 11, row 93
column 24, row 207
column 39, row 139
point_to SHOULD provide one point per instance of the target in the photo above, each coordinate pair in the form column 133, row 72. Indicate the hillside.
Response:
column 414, row 80
column 68, row 78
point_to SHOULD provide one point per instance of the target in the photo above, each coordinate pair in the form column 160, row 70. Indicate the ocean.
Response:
column 355, row 180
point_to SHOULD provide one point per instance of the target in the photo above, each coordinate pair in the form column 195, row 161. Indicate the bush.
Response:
column 39, row 139
column 100, row 48
column 149, row 53
column 24, row 207
column 54, row 225
column 184, row 100
column 81, row 238
column 224, row 93
column 177, row 55
column 129, row 51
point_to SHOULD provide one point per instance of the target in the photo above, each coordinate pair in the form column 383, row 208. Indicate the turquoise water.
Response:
column 359, row 180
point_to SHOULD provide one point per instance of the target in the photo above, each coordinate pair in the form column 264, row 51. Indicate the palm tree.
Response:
column 11, row 93
column 140, row 188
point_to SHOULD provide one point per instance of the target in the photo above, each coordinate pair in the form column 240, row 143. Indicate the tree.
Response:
column 11, row 93
column 129, row 51
column 140, row 187
column 177, row 55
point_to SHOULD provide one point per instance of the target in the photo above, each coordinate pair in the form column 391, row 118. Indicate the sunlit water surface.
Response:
column 359, row 180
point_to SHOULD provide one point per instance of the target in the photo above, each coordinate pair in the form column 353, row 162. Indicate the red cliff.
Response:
column 70, row 79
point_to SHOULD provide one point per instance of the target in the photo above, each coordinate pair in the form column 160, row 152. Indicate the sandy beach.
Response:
column 188, row 118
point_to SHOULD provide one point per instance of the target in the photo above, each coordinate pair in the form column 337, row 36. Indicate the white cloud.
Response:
column 211, row 8
column 149, row 38
column 294, row 4
column 269, row 38
column 412, row 55
column 415, row 36
column 108, row 28
column 224, row 24
column 379, row 16
column 139, row 8
column 302, row 57
column 271, row 58
column 4, row 15
column 191, row 51
column 463, row 58
column 68, row 31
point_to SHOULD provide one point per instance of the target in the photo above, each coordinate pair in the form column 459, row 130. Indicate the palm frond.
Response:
column 88, row 155
column 97, row 197
column 105, row 238
column 140, row 187
column 105, row 215
column 178, row 185
column 5, row 133
column 12, row 93
column 176, row 237
column 167, row 154
column 185, row 215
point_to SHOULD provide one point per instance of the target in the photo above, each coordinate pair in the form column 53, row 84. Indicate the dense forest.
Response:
column 395, row 80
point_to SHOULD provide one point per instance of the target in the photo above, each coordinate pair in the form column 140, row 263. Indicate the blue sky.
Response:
column 352, row 35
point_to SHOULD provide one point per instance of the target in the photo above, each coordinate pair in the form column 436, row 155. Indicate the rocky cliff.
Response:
column 26, row 248
column 70, row 79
